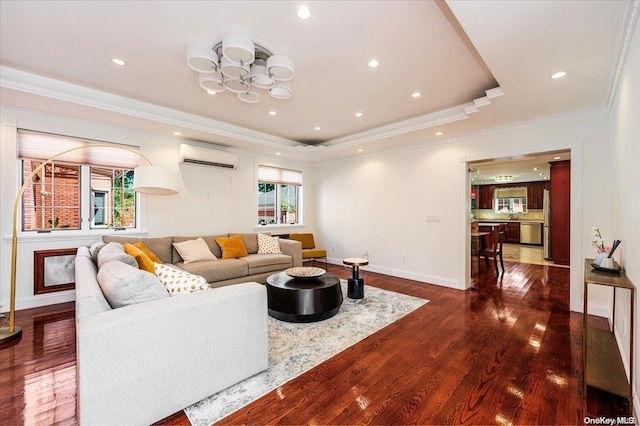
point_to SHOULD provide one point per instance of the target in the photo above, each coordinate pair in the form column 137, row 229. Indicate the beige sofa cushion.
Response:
column 209, row 239
column 260, row 263
column 123, row 284
column 250, row 241
column 217, row 270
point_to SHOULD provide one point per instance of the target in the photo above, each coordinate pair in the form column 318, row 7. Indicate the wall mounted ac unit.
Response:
column 191, row 154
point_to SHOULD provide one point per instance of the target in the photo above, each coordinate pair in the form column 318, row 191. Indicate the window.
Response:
column 279, row 194
column 510, row 200
column 94, row 183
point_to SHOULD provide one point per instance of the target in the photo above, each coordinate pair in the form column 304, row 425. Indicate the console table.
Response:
column 602, row 361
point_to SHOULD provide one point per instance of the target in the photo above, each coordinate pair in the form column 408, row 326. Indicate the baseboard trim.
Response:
column 40, row 300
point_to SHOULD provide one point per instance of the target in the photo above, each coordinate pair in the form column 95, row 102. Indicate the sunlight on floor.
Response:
column 526, row 254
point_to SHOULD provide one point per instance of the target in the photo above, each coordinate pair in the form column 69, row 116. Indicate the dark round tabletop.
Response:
column 303, row 299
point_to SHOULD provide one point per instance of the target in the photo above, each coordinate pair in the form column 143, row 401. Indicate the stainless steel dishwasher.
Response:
column 531, row 233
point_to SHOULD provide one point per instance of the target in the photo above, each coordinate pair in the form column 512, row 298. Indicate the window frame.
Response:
column 86, row 193
column 288, row 177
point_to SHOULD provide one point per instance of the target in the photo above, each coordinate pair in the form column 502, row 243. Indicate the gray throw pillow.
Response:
column 123, row 284
column 115, row 251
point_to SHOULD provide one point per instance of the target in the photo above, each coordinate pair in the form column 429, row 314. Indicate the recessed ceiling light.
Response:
column 535, row 168
column 360, row 150
column 359, row 114
column 303, row 12
column 317, row 128
column 119, row 61
column 272, row 113
column 540, row 174
column 557, row 157
column 373, row 63
column 177, row 133
column 439, row 133
column 558, row 74
column 277, row 153
column 416, row 94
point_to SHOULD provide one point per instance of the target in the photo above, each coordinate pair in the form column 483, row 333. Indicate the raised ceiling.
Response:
column 461, row 55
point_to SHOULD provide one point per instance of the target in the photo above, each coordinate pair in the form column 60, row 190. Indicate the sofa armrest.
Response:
column 141, row 363
column 292, row 248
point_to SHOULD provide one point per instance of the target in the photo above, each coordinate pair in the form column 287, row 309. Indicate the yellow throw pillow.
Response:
column 148, row 252
column 232, row 247
column 144, row 262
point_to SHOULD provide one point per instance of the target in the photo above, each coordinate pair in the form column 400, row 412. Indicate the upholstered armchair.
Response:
column 309, row 250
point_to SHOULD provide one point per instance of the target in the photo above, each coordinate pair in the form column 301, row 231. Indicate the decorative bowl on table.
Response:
column 305, row 272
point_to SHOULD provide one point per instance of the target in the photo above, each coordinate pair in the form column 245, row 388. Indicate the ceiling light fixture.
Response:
column 317, row 128
column 119, row 61
column 373, row 63
column 238, row 65
column 359, row 114
column 557, row 157
column 416, row 94
column 360, row 150
column 303, row 13
column 177, row 133
column 535, row 168
column 439, row 133
column 558, row 74
column 503, row 178
column 272, row 113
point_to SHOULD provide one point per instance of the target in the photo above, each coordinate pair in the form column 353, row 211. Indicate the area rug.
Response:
column 295, row 348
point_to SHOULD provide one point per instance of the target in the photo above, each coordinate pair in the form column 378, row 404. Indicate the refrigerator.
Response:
column 545, row 229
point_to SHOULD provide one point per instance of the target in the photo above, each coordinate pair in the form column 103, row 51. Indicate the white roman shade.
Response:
column 515, row 192
column 280, row 176
column 42, row 146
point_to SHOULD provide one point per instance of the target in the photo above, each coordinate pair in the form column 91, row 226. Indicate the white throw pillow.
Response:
column 177, row 281
column 194, row 250
column 268, row 245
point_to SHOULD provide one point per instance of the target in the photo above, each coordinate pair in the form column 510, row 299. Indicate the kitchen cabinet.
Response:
column 560, row 212
column 513, row 233
column 485, row 197
column 535, row 194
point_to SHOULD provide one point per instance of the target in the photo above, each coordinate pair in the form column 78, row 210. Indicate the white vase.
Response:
column 599, row 258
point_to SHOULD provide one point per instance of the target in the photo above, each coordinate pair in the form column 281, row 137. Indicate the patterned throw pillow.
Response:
column 178, row 281
column 268, row 244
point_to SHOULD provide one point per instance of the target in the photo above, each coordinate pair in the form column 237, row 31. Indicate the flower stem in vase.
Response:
column 616, row 243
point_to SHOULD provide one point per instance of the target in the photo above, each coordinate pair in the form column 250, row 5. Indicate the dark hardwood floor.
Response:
column 507, row 351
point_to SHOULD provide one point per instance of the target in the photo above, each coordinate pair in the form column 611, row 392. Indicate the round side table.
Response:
column 356, row 284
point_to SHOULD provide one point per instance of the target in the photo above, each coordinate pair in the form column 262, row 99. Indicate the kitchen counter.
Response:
column 485, row 221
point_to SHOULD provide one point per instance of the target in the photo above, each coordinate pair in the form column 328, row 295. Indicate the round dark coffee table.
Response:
column 303, row 299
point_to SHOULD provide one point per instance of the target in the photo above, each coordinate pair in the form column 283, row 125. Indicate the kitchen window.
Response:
column 279, row 195
column 510, row 200
column 81, row 190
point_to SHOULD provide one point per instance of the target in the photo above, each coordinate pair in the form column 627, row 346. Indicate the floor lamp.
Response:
column 146, row 180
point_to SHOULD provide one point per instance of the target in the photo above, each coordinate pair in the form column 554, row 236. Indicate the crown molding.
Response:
column 11, row 78
column 623, row 44
column 544, row 122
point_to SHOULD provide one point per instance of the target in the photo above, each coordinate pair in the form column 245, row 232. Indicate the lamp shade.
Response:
column 282, row 90
column 238, row 49
column 211, row 82
column 236, row 86
column 260, row 78
column 234, row 70
column 251, row 96
column 155, row 180
column 202, row 59
column 280, row 67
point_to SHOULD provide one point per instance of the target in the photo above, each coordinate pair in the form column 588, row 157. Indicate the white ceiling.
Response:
column 462, row 55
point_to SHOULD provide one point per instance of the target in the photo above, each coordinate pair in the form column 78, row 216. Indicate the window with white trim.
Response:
column 279, row 196
column 88, row 188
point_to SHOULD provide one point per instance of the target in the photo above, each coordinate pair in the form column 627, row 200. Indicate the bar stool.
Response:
column 356, row 284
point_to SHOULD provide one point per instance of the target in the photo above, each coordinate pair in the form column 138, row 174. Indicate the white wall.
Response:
column 624, row 175
column 210, row 201
column 380, row 202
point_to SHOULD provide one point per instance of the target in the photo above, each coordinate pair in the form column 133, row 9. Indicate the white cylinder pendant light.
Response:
column 234, row 70
column 238, row 49
column 250, row 96
column 236, row 86
column 202, row 59
column 282, row 90
column 260, row 78
column 280, row 67
column 211, row 82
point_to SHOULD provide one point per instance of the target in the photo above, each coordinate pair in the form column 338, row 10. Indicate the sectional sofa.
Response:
column 143, row 354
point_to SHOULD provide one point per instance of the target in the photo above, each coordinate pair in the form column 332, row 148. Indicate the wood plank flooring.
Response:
column 506, row 352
